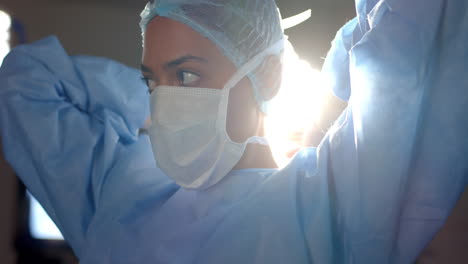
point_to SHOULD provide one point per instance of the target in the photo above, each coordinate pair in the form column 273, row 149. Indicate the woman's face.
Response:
column 176, row 55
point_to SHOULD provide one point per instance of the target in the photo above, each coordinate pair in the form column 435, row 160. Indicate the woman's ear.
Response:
column 272, row 77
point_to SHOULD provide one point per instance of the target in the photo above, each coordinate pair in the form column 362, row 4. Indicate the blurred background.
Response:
column 110, row 28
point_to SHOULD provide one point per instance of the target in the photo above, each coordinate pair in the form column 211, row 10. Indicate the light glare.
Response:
column 296, row 107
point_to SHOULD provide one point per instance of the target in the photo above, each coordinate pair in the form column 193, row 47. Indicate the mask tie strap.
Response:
column 239, row 75
column 253, row 63
column 258, row 140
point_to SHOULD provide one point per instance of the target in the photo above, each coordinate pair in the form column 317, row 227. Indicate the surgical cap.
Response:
column 241, row 29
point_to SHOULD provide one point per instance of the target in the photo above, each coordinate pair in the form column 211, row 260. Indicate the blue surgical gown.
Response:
column 376, row 190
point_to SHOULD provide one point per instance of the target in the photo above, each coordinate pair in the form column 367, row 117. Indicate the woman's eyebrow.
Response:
column 183, row 59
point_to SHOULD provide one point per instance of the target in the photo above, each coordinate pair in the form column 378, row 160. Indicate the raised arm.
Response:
column 69, row 129
column 393, row 166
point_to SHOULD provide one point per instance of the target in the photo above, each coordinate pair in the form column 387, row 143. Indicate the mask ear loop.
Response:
column 234, row 80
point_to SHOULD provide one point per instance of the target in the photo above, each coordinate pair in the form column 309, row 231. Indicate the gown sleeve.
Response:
column 70, row 124
column 392, row 167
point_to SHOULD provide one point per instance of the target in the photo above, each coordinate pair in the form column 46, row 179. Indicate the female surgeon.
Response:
column 201, row 186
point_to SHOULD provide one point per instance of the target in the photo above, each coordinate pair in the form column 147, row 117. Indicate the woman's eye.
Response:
column 150, row 83
column 187, row 78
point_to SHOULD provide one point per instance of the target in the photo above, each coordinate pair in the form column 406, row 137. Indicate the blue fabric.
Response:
column 376, row 190
column 69, row 129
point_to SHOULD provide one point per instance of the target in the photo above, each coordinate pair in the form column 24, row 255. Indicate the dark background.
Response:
column 110, row 28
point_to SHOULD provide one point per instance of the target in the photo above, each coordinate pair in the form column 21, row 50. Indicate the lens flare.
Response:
column 295, row 109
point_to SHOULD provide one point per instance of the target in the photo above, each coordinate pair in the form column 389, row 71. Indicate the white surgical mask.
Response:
column 188, row 131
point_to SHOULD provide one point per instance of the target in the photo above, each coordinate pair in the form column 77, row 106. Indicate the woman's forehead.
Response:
column 166, row 39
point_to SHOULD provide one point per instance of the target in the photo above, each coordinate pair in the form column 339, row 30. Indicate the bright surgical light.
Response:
column 5, row 24
column 296, row 107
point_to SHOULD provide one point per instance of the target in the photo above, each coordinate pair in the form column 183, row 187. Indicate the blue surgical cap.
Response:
column 241, row 29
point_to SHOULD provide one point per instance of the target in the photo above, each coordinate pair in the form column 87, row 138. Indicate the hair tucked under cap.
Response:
column 240, row 28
